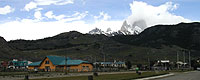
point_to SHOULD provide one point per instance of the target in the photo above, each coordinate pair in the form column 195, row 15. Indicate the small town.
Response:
column 99, row 40
column 61, row 66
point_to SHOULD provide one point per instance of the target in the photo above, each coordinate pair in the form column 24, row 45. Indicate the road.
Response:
column 193, row 75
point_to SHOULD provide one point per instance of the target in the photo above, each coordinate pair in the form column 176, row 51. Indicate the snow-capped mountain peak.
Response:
column 126, row 29
column 96, row 31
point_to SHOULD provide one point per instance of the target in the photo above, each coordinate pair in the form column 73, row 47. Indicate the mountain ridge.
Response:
column 163, row 41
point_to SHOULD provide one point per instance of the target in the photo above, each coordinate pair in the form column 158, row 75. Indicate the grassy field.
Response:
column 12, row 73
column 179, row 71
column 125, row 76
column 24, row 73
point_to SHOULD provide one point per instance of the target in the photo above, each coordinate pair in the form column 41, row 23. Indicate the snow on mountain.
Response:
column 133, row 29
column 96, row 31
column 126, row 29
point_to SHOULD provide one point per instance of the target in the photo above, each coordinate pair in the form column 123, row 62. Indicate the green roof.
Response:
column 35, row 63
column 120, row 62
column 75, row 62
column 59, row 60
column 20, row 63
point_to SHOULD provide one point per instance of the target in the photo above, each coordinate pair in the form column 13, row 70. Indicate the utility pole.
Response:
column 104, row 57
column 184, row 58
column 96, row 62
column 149, row 61
column 104, row 60
column 189, row 60
column 66, row 69
column 177, row 60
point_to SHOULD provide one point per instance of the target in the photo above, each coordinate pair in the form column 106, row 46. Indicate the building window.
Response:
column 83, row 67
column 87, row 68
column 47, row 62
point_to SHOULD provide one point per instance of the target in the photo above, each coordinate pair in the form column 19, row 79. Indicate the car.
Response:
column 198, row 68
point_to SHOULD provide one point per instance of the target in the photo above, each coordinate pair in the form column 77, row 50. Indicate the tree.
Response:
column 128, row 64
column 195, row 64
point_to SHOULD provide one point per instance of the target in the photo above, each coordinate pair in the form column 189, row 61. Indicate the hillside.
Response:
column 72, row 44
column 157, row 42
column 185, row 35
column 7, row 52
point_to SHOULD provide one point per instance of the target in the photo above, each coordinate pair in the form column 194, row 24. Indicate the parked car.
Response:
column 198, row 68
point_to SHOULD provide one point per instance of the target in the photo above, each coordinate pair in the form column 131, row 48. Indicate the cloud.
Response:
column 34, row 29
column 64, row 18
column 7, row 9
column 55, row 2
column 103, row 16
column 154, row 15
column 37, row 28
column 75, row 17
column 49, row 14
column 115, row 25
column 35, row 3
column 30, row 6
column 38, row 9
column 38, row 15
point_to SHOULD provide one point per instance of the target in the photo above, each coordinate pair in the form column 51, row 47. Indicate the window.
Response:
column 47, row 62
column 83, row 67
column 87, row 67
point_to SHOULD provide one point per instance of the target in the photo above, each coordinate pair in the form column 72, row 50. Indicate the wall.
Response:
column 31, row 67
column 80, row 68
column 42, row 66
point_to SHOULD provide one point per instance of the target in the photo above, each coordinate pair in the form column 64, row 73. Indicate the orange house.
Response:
column 58, row 63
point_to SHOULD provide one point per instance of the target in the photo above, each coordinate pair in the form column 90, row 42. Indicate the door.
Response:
column 47, row 68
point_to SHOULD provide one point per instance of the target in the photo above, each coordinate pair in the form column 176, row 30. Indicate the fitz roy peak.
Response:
column 126, row 29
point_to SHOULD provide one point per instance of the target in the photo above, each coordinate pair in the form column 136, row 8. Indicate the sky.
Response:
column 36, row 19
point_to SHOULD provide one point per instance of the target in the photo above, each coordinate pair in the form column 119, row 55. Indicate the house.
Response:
column 4, row 64
column 119, row 64
column 15, row 64
column 161, row 65
column 59, row 63
column 115, row 64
